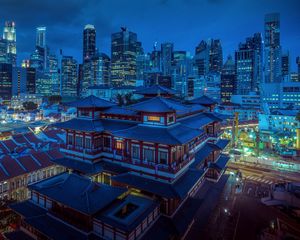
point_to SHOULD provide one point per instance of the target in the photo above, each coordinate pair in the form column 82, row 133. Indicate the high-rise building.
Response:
column 54, row 74
column 298, row 64
column 202, row 58
column 215, row 55
column 167, row 57
column 272, row 48
column 285, row 66
column 69, row 77
column 96, row 71
column 228, row 78
column 209, row 57
column 3, row 51
column 155, row 59
column 6, row 82
column 248, row 65
column 9, row 34
column 31, row 80
column 19, row 80
column 41, row 37
column 38, row 59
column 124, row 50
column 89, row 42
column 143, row 63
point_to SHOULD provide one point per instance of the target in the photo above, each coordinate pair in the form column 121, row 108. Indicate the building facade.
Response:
column 69, row 77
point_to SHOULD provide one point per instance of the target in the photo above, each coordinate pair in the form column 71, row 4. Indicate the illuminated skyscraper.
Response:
column 6, row 82
column 69, row 77
column 167, row 58
column 89, row 42
column 228, row 77
column 202, row 58
column 248, row 65
column 124, row 50
column 298, row 64
column 9, row 34
column 3, row 51
column 215, row 55
column 285, row 66
column 272, row 48
column 41, row 37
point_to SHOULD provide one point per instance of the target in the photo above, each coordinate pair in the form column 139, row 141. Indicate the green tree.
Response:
column 29, row 106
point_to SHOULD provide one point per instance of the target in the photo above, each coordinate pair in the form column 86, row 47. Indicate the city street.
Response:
column 242, row 215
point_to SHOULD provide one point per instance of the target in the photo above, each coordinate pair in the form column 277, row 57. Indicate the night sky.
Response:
column 184, row 22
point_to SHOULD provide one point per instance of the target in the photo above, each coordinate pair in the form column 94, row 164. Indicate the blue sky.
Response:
column 184, row 22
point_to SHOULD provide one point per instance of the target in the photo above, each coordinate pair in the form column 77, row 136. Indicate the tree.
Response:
column 55, row 99
column 298, row 117
column 29, row 106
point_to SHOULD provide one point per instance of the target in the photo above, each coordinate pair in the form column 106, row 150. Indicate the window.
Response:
column 88, row 143
column 70, row 139
column 163, row 157
column 106, row 142
column 97, row 142
column 153, row 118
column 119, row 145
column 78, row 141
column 171, row 119
column 149, row 155
column 135, row 151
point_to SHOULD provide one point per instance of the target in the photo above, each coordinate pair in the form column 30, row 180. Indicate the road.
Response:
column 263, row 172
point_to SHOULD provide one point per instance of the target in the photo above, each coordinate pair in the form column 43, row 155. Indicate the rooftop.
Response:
column 155, row 90
column 78, row 192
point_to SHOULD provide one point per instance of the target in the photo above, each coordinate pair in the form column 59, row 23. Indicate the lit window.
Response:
column 119, row 145
column 153, row 118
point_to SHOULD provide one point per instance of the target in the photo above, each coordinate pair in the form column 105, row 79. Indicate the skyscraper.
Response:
column 215, row 55
column 298, row 64
column 3, row 51
column 41, row 37
column 228, row 78
column 209, row 57
column 166, row 58
column 124, row 49
column 202, row 58
column 9, row 34
column 96, row 71
column 272, row 48
column 248, row 65
column 155, row 59
column 285, row 66
column 69, row 77
column 54, row 74
column 6, row 82
column 89, row 42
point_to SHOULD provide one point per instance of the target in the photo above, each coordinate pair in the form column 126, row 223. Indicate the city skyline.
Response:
column 154, row 27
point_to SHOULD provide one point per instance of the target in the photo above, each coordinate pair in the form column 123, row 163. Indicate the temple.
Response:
column 127, row 167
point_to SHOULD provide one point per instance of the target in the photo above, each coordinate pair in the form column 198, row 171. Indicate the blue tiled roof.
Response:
column 91, row 102
column 204, row 100
column 155, row 90
column 120, row 111
column 89, row 168
column 146, row 184
column 185, row 183
column 80, row 124
column 55, row 229
column 78, row 192
column 201, row 154
column 27, row 209
column 160, row 105
column 98, row 125
column 178, row 189
column 197, row 121
column 222, row 143
column 173, row 135
column 221, row 162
